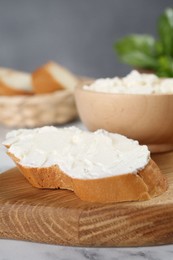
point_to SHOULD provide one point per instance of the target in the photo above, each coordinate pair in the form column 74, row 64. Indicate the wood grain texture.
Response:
column 59, row 217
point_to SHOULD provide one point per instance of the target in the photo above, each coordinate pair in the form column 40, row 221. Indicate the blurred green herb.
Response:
column 145, row 52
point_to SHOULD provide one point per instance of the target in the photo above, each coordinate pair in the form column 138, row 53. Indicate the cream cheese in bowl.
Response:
column 139, row 106
column 133, row 83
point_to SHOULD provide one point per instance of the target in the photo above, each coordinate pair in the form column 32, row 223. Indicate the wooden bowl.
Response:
column 146, row 118
column 38, row 110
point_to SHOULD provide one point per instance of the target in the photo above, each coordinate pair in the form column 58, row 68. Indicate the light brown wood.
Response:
column 59, row 217
column 146, row 118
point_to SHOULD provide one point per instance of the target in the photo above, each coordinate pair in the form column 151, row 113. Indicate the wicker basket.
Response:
column 38, row 110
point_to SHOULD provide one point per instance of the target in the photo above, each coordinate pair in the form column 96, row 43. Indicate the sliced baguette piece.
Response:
column 142, row 185
column 14, row 82
column 51, row 77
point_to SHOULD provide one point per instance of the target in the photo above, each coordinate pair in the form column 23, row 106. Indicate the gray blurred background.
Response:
column 78, row 34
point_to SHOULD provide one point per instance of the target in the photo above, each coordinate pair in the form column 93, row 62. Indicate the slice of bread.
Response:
column 144, row 185
column 14, row 82
column 52, row 77
column 79, row 166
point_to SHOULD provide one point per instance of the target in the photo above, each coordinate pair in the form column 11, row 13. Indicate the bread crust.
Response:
column 6, row 90
column 144, row 185
column 45, row 178
column 43, row 80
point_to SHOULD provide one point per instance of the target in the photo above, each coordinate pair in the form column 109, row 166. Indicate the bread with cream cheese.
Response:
column 143, row 183
column 14, row 82
column 52, row 77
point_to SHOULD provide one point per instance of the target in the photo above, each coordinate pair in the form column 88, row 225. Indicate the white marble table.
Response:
column 19, row 250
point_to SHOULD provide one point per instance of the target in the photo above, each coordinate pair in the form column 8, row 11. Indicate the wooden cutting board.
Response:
column 59, row 217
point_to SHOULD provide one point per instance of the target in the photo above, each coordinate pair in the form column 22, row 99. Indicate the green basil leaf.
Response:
column 159, row 48
column 165, row 29
column 139, row 60
column 137, row 50
column 165, row 66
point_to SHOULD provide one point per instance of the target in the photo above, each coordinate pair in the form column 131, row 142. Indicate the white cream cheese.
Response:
column 80, row 154
column 133, row 83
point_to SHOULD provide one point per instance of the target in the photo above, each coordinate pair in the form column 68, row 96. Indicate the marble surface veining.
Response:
column 11, row 250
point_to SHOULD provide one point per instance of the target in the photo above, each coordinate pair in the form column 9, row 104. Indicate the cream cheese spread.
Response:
column 133, row 83
column 80, row 154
